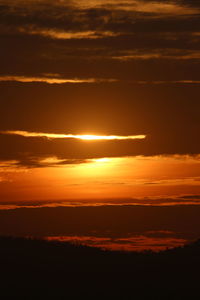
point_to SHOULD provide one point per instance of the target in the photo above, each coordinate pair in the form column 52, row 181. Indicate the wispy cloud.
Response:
column 55, row 80
column 67, row 35
column 130, row 203
column 87, row 137
column 172, row 54
column 166, row 82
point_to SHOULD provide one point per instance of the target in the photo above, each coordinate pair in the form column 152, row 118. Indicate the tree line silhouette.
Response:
column 33, row 267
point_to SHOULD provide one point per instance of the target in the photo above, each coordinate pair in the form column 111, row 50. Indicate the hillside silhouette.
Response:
column 33, row 267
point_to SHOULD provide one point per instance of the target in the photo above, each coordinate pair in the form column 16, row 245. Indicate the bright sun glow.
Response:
column 102, row 160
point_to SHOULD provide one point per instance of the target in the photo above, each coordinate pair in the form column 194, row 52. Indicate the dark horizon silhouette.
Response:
column 37, row 267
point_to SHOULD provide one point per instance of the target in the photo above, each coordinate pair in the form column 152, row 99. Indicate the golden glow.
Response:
column 102, row 160
column 152, row 180
column 85, row 137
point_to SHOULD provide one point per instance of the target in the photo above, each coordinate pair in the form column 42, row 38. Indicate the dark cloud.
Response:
column 30, row 152
column 82, row 40
column 87, row 221
column 35, row 152
column 190, row 197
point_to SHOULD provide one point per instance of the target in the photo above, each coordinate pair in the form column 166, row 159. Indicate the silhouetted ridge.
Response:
column 54, row 267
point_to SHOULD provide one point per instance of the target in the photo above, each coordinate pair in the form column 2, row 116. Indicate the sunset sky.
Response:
column 100, row 109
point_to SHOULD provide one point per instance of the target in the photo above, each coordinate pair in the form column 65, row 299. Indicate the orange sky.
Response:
column 104, row 178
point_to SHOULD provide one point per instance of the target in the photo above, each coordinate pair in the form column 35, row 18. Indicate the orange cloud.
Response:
column 132, row 243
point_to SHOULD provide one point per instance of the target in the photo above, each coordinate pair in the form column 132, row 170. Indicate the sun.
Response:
column 91, row 137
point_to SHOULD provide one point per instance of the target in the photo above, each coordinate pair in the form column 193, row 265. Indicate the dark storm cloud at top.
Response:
column 64, row 37
column 123, row 67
